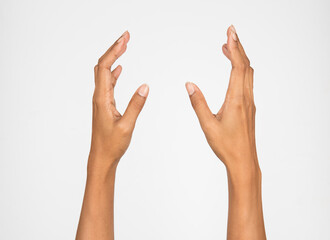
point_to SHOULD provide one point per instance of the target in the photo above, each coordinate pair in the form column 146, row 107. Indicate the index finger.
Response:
column 114, row 52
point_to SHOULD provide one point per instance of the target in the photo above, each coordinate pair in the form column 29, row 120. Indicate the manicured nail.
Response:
column 233, row 32
column 143, row 90
column 233, row 28
column 190, row 88
column 121, row 37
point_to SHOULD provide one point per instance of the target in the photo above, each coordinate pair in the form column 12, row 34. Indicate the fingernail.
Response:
column 121, row 37
column 190, row 88
column 143, row 90
column 233, row 32
column 233, row 28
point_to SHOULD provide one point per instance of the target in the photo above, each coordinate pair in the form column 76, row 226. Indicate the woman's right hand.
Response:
column 231, row 135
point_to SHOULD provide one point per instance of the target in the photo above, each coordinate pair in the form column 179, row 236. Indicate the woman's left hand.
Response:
column 111, row 131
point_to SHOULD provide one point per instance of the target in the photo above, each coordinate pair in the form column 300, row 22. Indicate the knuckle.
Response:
column 124, row 129
column 116, row 54
column 254, row 108
column 250, row 73
column 233, row 47
column 247, row 61
column 196, row 104
column 238, row 103
column 101, row 63
column 238, row 106
column 137, row 103
column 241, row 67
column 96, row 67
column 98, row 101
column 207, row 126
column 251, row 106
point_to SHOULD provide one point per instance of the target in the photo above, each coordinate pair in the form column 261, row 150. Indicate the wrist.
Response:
column 101, row 167
column 245, row 173
column 244, row 185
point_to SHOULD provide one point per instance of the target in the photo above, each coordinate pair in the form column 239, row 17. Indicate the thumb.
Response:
column 136, row 104
column 199, row 104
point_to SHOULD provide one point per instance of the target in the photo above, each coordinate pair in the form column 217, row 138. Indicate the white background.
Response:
column 169, row 184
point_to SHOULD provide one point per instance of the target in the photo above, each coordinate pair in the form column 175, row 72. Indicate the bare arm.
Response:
column 231, row 135
column 111, row 135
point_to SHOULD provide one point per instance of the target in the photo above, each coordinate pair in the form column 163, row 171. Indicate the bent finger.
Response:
column 115, row 75
column 232, row 51
column 114, row 52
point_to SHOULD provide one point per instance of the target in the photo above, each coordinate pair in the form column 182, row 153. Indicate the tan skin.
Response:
column 230, row 133
column 111, row 135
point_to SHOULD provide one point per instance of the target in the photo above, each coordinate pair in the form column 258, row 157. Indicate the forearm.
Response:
column 96, row 220
column 245, row 216
column 111, row 135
